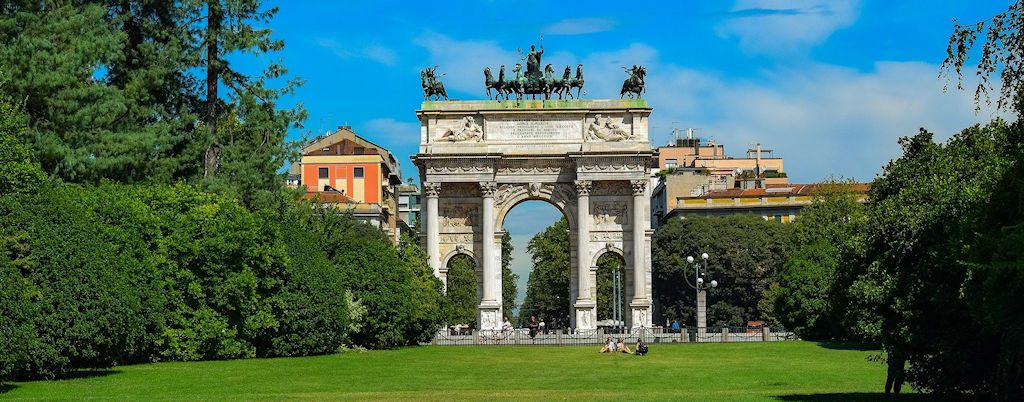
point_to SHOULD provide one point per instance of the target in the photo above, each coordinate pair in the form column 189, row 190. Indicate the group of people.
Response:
column 619, row 346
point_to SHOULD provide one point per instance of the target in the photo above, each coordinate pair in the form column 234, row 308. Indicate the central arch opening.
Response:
column 541, row 258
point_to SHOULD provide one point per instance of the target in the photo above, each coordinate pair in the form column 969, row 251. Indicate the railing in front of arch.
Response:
column 522, row 337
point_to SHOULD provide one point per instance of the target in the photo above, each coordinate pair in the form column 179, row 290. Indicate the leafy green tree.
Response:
column 547, row 289
column 431, row 308
column 1002, row 53
column 509, row 279
column 462, row 289
column 746, row 254
column 18, row 172
column 607, row 264
column 921, row 227
column 811, row 296
column 316, row 313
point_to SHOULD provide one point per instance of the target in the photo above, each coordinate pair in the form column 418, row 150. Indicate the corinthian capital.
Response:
column 487, row 188
column 639, row 185
column 583, row 187
column 431, row 189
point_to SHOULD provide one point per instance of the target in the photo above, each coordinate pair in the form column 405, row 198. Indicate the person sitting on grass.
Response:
column 641, row 348
column 621, row 347
column 608, row 346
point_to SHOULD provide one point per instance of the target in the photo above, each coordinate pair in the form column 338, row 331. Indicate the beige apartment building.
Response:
column 696, row 177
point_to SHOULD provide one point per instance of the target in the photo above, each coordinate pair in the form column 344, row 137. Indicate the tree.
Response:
column 462, row 289
column 607, row 265
column 922, row 231
column 509, row 279
column 811, row 296
column 746, row 254
column 547, row 289
column 229, row 29
column 18, row 172
column 1002, row 51
column 430, row 307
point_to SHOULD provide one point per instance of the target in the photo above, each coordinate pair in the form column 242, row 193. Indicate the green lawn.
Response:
column 741, row 371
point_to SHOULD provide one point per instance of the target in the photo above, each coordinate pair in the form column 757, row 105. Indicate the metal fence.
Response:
column 521, row 336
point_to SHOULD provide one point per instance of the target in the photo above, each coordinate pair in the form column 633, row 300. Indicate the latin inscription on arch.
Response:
column 534, row 128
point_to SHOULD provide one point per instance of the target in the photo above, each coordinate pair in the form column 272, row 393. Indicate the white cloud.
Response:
column 579, row 26
column 785, row 26
column 376, row 53
column 821, row 118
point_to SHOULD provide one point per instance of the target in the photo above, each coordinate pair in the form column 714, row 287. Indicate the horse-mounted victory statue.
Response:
column 635, row 83
column 432, row 86
column 533, row 82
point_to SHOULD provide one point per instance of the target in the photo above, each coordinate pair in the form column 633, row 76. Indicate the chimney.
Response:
column 759, row 158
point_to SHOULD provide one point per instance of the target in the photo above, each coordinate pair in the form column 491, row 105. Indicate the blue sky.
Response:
column 829, row 85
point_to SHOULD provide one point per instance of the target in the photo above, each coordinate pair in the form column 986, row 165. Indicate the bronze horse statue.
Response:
column 547, row 84
column 634, row 85
column 492, row 83
column 432, row 86
column 577, row 82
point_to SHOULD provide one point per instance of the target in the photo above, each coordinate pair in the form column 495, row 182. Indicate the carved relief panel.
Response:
column 460, row 215
column 609, row 213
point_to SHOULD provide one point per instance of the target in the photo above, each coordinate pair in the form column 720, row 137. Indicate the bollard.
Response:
column 558, row 336
column 476, row 337
column 516, row 335
column 725, row 334
column 766, row 333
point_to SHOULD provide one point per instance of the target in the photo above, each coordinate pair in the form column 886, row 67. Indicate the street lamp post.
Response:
column 702, row 308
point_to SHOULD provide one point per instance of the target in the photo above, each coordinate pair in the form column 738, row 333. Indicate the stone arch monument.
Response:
column 589, row 158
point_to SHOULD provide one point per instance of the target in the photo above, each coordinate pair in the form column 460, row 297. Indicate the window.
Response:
column 322, row 173
column 357, row 172
column 670, row 163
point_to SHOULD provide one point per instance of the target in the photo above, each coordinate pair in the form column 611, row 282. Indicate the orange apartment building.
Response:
column 354, row 174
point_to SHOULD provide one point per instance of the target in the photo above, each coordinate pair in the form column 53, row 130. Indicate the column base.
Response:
column 586, row 314
column 490, row 316
column 641, row 315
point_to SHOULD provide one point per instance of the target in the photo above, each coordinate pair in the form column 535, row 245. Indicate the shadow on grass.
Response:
column 74, row 375
column 855, row 396
column 837, row 345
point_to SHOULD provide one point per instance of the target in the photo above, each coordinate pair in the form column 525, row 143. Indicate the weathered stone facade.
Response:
column 588, row 158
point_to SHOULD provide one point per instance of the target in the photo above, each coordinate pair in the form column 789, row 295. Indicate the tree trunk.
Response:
column 212, row 77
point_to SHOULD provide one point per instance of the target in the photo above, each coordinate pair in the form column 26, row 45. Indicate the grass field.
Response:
column 740, row 371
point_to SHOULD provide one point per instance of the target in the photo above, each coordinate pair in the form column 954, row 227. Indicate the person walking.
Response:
column 533, row 327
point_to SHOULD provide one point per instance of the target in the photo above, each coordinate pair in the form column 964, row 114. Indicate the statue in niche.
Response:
column 468, row 131
column 604, row 129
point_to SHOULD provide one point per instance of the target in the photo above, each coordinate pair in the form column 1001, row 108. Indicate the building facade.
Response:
column 408, row 205
column 354, row 174
column 696, row 177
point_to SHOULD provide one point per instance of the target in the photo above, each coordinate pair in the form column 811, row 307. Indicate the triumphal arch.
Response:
column 589, row 158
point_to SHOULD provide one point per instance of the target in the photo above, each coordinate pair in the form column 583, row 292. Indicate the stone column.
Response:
column 641, row 302
column 586, row 317
column 490, row 303
column 432, row 190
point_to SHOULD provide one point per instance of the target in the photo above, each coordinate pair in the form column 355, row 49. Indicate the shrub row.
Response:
column 98, row 276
